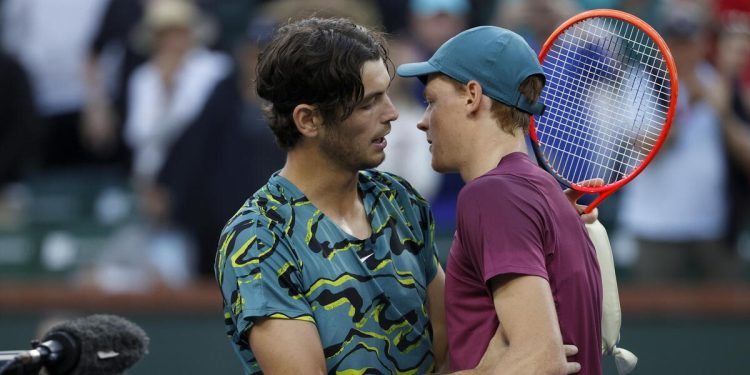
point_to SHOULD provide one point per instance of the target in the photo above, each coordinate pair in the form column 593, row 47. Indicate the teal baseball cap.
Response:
column 497, row 58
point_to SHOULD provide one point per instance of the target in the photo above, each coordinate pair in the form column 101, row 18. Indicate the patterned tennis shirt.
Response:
column 281, row 257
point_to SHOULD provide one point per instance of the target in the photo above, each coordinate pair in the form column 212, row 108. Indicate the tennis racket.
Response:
column 610, row 95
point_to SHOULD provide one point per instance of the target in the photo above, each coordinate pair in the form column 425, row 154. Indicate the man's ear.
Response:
column 307, row 119
column 473, row 96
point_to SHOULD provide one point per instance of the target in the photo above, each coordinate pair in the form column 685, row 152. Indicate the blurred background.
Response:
column 130, row 132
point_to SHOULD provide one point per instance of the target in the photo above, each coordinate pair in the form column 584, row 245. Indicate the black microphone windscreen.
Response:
column 109, row 344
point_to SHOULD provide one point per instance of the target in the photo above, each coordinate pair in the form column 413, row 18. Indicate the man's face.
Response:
column 359, row 141
column 442, row 122
column 174, row 40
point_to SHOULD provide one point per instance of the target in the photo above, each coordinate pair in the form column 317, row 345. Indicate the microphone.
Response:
column 97, row 344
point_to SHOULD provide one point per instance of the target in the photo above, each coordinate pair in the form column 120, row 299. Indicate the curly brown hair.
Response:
column 317, row 62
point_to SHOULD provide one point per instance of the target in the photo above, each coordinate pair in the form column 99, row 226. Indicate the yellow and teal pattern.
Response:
column 280, row 257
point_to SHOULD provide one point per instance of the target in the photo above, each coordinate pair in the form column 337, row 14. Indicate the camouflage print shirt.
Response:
column 281, row 257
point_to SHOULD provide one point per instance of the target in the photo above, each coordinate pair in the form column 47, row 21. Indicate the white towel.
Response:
column 625, row 361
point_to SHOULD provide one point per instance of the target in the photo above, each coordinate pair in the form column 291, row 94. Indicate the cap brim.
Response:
column 420, row 70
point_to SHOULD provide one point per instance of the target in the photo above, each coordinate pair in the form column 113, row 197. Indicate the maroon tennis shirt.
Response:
column 516, row 220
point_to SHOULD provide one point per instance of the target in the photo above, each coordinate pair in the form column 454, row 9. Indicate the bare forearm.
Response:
column 521, row 362
column 528, row 340
column 536, row 360
column 436, row 306
column 96, row 91
column 287, row 347
column 440, row 349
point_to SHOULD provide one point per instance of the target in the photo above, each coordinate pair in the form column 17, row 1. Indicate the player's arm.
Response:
column 436, row 309
column 529, row 339
column 285, row 346
column 526, row 311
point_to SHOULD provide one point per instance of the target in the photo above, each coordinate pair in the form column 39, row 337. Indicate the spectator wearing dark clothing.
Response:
column 224, row 156
column 18, row 125
column 49, row 39
column 111, row 59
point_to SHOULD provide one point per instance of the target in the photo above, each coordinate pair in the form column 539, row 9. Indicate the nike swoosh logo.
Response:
column 365, row 258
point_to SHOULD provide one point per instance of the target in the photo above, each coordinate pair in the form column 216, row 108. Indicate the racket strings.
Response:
column 597, row 103
column 571, row 47
column 579, row 115
column 588, row 81
column 578, row 135
column 607, row 100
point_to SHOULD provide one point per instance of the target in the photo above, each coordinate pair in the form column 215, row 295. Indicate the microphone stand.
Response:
column 10, row 366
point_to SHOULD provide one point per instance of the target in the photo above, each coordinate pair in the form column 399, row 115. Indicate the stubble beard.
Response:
column 339, row 149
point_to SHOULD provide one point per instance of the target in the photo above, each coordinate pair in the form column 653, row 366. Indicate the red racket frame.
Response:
column 607, row 190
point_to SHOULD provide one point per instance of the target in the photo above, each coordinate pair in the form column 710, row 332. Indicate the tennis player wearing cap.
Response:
column 331, row 266
column 521, row 262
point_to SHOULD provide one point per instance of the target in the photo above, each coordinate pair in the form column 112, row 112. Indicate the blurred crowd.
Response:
column 130, row 132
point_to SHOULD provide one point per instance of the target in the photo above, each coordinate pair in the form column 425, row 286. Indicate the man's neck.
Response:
column 488, row 150
column 330, row 187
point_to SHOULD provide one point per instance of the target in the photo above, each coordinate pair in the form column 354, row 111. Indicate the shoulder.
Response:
column 496, row 186
column 258, row 231
column 268, row 210
column 503, row 194
column 390, row 183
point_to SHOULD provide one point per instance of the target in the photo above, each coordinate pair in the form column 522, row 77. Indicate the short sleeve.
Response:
column 261, row 278
column 503, row 227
